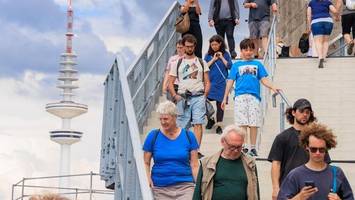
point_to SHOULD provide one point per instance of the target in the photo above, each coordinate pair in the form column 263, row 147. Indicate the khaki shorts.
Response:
column 258, row 29
column 181, row 191
column 247, row 111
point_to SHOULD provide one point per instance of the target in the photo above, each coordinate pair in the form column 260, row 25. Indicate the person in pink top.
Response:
column 180, row 52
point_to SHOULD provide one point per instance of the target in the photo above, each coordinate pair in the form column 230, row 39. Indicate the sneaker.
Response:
column 219, row 130
column 321, row 65
column 210, row 123
column 200, row 155
column 234, row 55
column 245, row 150
column 350, row 48
column 253, row 152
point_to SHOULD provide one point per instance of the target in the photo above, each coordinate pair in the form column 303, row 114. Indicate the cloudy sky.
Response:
column 31, row 43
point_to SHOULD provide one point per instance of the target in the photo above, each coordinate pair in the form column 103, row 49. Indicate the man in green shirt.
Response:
column 228, row 174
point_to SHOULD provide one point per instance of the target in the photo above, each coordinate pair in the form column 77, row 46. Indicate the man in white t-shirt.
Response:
column 194, row 85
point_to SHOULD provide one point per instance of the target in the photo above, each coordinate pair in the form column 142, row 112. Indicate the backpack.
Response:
column 350, row 4
column 303, row 43
column 201, row 62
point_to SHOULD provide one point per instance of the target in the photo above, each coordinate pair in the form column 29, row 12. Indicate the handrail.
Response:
column 283, row 97
column 130, row 97
column 342, row 45
column 284, row 101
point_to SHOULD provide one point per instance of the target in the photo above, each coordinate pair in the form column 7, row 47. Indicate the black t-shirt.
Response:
column 286, row 148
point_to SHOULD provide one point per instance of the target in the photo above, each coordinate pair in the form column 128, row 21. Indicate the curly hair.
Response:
column 319, row 131
column 291, row 119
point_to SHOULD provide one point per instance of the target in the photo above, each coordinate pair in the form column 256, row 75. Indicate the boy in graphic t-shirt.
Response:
column 247, row 75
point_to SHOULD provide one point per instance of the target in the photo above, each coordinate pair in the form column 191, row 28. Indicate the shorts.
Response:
column 322, row 28
column 179, row 191
column 258, row 29
column 247, row 111
column 348, row 24
column 194, row 111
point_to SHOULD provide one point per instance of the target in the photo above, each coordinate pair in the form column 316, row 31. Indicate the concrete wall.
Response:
column 292, row 21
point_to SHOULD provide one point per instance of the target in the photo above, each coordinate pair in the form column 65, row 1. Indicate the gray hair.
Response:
column 167, row 108
column 233, row 129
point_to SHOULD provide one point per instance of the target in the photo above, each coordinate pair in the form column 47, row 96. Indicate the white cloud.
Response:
column 26, row 150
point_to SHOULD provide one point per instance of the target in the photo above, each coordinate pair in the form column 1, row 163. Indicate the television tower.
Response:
column 66, row 109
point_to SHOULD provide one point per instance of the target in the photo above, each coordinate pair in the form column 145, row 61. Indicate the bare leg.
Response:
column 245, row 128
column 264, row 44
column 325, row 45
column 318, row 42
column 256, row 44
column 198, row 133
column 253, row 135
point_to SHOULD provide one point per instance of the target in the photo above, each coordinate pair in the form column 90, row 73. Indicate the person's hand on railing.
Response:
column 275, row 90
column 211, row 23
column 236, row 21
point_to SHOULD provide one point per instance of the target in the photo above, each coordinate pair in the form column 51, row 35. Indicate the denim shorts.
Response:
column 322, row 28
column 194, row 111
column 258, row 29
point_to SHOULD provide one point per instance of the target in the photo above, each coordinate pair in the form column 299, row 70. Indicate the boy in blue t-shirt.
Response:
column 247, row 73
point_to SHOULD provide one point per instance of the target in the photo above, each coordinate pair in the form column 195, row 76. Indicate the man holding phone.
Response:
column 316, row 179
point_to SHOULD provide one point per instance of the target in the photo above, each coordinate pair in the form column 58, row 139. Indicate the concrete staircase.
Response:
column 332, row 93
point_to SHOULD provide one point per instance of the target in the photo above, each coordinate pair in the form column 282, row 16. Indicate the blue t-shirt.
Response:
column 320, row 9
column 247, row 75
column 171, row 157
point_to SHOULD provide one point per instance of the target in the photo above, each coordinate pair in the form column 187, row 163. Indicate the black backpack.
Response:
column 303, row 43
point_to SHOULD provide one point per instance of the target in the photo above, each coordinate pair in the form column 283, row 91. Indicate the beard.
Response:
column 189, row 53
column 301, row 123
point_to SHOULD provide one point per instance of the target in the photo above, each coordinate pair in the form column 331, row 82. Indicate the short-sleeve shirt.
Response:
column 247, row 76
column 287, row 150
column 171, row 157
column 323, row 180
column 320, row 9
column 190, row 74
column 262, row 12
column 173, row 59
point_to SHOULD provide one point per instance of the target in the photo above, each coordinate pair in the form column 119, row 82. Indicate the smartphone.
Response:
column 309, row 183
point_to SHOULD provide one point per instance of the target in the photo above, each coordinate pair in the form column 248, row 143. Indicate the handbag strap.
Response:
column 219, row 69
column 334, row 172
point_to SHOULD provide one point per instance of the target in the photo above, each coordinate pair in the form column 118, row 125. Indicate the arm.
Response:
column 274, row 7
column 171, row 82
column 333, row 10
column 210, row 63
column 309, row 18
column 197, row 191
column 207, row 83
column 147, row 159
column 210, row 12
column 165, row 82
column 198, row 7
column 250, row 5
column 275, row 177
column 267, row 84
column 228, row 87
column 185, row 7
column 237, row 15
column 194, row 163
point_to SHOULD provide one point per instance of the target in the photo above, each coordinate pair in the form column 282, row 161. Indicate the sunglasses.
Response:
column 232, row 147
column 315, row 149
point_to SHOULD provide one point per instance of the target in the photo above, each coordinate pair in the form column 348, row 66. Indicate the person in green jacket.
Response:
column 229, row 173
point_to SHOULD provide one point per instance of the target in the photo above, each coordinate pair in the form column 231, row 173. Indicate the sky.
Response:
column 30, row 47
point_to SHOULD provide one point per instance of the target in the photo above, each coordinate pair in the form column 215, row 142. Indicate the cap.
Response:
column 301, row 104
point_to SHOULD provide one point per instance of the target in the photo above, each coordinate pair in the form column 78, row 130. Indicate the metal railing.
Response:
column 284, row 101
column 340, row 45
column 269, row 62
column 27, row 188
column 130, row 96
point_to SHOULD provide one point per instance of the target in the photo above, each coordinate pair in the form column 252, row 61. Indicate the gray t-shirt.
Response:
column 262, row 12
column 224, row 12
column 323, row 180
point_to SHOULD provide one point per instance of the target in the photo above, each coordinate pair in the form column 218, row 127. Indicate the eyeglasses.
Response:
column 315, row 149
column 232, row 147
column 189, row 46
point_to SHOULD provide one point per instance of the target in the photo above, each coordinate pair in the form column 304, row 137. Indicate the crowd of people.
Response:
column 300, row 163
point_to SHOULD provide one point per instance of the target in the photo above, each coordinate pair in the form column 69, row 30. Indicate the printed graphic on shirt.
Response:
column 248, row 69
column 190, row 71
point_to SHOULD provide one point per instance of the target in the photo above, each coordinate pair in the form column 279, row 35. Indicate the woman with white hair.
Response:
column 174, row 152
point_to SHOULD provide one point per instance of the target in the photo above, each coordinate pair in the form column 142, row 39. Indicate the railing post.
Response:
column 91, row 185
column 282, row 119
column 23, row 188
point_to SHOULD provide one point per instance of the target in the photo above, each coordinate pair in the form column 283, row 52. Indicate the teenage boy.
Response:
column 316, row 179
column 247, row 73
